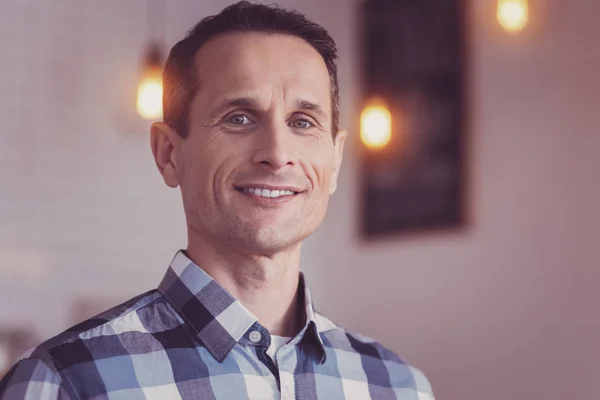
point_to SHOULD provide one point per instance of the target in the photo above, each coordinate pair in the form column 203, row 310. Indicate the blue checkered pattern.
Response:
column 190, row 339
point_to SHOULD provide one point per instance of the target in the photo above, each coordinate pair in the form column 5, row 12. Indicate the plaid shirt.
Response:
column 190, row 339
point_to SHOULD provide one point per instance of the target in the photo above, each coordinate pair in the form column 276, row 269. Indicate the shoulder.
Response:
column 341, row 338
column 34, row 379
column 372, row 356
column 61, row 364
column 99, row 336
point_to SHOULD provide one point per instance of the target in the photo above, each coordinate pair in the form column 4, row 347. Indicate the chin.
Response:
column 270, row 240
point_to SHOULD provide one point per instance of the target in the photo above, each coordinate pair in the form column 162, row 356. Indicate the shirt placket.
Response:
column 286, row 364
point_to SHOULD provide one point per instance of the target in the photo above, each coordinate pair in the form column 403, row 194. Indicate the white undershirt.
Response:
column 277, row 342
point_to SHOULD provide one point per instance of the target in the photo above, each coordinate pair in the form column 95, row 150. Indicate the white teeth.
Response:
column 268, row 193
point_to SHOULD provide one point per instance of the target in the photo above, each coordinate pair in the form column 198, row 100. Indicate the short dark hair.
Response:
column 180, row 81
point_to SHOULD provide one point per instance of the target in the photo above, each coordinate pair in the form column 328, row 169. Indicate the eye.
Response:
column 239, row 119
column 302, row 124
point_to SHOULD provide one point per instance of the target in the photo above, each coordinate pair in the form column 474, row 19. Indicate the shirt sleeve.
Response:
column 33, row 379
column 422, row 385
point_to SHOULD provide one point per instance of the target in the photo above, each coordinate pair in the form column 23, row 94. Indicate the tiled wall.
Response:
column 83, row 212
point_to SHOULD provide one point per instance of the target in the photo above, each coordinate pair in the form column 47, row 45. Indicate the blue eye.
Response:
column 302, row 124
column 240, row 119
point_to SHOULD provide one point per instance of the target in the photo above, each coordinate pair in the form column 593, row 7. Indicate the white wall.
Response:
column 503, row 310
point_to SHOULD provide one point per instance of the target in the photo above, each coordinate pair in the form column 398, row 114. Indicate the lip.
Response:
column 266, row 186
column 268, row 201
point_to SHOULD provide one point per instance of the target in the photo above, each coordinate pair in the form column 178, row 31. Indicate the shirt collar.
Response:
column 219, row 319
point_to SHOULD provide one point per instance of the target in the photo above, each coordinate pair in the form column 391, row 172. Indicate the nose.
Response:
column 274, row 147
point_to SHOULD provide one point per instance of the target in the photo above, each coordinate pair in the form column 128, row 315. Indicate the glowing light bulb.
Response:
column 513, row 15
column 149, row 94
column 375, row 126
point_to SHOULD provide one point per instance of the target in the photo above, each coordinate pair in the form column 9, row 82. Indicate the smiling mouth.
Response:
column 267, row 193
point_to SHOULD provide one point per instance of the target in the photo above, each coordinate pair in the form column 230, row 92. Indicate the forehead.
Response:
column 255, row 63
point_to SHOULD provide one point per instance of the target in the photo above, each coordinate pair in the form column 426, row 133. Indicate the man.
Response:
column 251, row 137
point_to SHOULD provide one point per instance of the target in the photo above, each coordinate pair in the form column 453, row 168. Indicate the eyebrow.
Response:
column 310, row 106
column 247, row 102
column 251, row 102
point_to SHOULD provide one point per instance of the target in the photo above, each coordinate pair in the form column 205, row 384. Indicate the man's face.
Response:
column 259, row 161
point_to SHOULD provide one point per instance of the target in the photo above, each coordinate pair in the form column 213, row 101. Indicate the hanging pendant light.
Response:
column 375, row 126
column 149, row 93
column 512, row 15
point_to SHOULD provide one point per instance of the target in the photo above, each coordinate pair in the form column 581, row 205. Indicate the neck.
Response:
column 266, row 285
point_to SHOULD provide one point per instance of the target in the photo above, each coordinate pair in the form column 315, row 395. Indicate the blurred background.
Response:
column 500, row 303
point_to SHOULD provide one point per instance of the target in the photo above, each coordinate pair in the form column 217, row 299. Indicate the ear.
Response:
column 338, row 149
column 165, row 142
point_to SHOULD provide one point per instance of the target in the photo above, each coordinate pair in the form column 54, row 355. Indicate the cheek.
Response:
column 210, row 170
column 322, row 167
column 195, row 182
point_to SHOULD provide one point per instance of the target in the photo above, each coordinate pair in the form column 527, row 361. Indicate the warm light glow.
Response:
column 375, row 126
column 513, row 15
column 149, row 95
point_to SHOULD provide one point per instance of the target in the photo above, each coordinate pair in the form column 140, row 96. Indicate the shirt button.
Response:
column 255, row 336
